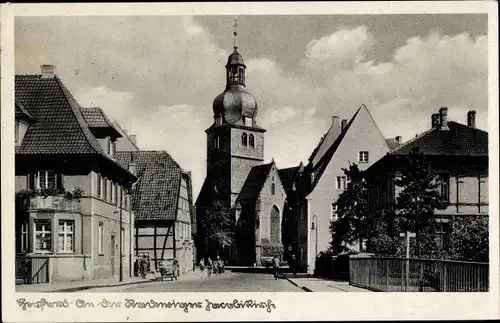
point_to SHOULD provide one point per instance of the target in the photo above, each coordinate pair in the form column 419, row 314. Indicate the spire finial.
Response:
column 235, row 33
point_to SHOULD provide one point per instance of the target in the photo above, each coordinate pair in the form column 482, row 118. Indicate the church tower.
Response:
column 235, row 143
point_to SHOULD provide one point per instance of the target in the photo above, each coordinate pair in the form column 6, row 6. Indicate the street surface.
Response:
column 194, row 282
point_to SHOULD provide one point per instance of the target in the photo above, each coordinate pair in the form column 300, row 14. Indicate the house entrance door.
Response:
column 113, row 253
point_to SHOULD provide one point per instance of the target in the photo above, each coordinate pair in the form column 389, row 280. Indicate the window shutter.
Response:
column 59, row 181
column 31, row 181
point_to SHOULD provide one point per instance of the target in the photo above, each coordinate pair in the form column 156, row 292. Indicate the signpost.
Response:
column 407, row 235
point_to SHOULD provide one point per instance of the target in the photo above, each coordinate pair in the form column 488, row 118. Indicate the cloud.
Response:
column 342, row 49
column 158, row 76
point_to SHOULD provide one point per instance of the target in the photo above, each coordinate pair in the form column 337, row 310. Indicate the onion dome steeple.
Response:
column 235, row 102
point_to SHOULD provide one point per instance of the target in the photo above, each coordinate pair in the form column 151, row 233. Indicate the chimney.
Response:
column 335, row 121
column 435, row 120
column 443, row 114
column 398, row 139
column 131, row 168
column 133, row 138
column 471, row 118
column 48, row 71
column 344, row 123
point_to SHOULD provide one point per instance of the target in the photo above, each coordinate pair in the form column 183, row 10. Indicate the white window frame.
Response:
column 44, row 232
column 99, row 186
column 24, row 237
column 341, row 182
column 112, row 192
column 46, row 173
column 333, row 213
column 100, row 237
column 122, row 233
column 104, row 189
column 65, row 233
column 362, row 154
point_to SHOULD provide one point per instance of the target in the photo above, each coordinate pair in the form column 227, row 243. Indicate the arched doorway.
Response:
column 275, row 224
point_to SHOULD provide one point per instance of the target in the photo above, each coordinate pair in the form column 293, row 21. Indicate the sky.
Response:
column 157, row 76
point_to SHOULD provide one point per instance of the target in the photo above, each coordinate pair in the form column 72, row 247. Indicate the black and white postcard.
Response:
column 230, row 161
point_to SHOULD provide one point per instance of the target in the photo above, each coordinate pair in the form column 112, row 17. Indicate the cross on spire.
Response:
column 235, row 33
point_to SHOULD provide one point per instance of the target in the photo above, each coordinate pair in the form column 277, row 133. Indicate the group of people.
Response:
column 215, row 267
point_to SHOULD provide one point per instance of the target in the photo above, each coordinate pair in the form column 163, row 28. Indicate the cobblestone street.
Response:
column 227, row 282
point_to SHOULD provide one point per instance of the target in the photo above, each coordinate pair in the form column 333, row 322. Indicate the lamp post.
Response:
column 315, row 228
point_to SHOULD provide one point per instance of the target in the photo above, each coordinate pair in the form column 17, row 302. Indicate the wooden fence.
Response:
column 418, row 275
column 32, row 270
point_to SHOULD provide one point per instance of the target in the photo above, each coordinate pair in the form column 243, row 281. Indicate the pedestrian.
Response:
column 144, row 266
column 293, row 264
column 202, row 266
column 276, row 266
column 209, row 267
column 176, row 268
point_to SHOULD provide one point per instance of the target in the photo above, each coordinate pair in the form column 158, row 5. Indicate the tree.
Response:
column 416, row 204
column 216, row 227
column 469, row 238
column 352, row 210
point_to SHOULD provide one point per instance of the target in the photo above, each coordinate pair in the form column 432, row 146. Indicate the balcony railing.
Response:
column 54, row 203
column 418, row 275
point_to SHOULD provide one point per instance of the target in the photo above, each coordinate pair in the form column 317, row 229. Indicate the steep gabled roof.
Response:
column 460, row 140
column 326, row 140
column 157, row 191
column 288, row 177
column 323, row 162
column 60, row 127
column 254, row 182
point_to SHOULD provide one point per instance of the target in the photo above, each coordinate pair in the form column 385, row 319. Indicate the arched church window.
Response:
column 244, row 139
column 273, row 189
column 275, row 224
column 251, row 141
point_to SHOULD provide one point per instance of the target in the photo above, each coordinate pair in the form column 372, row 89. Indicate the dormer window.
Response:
column 218, row 121
column 247, row 121
column 244, row 139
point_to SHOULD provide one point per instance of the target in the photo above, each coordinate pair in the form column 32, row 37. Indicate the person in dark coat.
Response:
column 293, row 265
column 276, row 266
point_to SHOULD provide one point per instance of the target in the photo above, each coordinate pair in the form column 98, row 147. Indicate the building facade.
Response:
column 235, row 154
column 457, row 153
column 68, row 187
column 359, row 141
column 162, row 201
